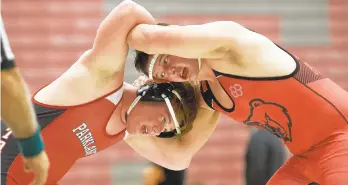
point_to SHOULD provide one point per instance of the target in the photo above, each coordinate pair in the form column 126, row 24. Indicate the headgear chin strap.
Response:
column 158, row 93
column 153, row 61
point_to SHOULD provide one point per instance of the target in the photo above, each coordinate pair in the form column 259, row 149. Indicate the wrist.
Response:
column 25, row 132
column 33, row 145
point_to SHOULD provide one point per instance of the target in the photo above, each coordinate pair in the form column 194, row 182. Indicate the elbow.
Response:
column 127, row 11
column 120, row 17
column 127, row 5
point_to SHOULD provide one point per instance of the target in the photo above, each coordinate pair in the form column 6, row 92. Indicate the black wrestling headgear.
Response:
column 159, row 92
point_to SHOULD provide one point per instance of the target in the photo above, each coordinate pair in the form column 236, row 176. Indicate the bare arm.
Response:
column 173, row 153
column 18, row 114
column 101, row 68
column 193, row 41
column 17, row 110
column 215, row 40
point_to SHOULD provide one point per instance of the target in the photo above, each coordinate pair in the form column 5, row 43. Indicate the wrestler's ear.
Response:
column 256, row 103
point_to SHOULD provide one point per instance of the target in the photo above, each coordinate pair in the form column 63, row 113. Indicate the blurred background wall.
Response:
column 47, row 36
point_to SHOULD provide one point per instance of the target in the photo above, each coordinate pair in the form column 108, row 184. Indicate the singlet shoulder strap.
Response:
column 207, row 94
column 209, row 98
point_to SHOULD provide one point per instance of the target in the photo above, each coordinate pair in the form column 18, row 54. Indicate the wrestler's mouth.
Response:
column 184, row 73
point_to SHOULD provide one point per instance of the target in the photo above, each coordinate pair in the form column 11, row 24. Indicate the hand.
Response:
column 142, row 80
column 153, row 175
column 38, row 165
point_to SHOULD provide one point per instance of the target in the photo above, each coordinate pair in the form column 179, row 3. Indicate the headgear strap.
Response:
column 172, row 113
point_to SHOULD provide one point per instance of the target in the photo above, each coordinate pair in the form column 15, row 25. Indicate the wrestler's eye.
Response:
column 165, row 60
column 163, row 75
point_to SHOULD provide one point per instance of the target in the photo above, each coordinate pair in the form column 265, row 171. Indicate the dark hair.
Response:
column 141, row 61
column 142, row 58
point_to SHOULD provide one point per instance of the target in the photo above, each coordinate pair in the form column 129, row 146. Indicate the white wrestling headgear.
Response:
column 153, row 61
column 158, row 94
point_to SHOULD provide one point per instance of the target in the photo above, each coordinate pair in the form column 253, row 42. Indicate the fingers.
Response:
column 38, row 165
column 26, row 168
column 40, row 177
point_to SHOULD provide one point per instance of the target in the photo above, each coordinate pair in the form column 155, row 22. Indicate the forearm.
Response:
column 17, row 111
column 208, row 40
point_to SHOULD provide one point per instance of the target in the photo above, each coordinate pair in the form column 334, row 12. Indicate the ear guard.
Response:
column 161, row 92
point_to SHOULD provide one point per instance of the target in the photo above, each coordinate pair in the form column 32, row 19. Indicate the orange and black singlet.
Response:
column 302, row 108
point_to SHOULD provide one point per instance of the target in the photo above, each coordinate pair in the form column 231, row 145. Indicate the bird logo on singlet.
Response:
column 270, row 116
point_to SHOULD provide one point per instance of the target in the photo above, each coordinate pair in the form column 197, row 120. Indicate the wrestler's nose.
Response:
column 172, row 70
column 156, row 130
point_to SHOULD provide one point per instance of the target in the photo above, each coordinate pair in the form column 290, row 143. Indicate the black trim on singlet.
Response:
column 208, row 95
column 217, row 73
column 46, row 115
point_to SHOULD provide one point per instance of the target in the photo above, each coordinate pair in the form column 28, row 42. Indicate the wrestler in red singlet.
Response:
column 284, row 105
column 69, row 132
column 307, row 110
column 260, row 85
column 73, row 132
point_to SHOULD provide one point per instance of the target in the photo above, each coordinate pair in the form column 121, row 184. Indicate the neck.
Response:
column 206, row 72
